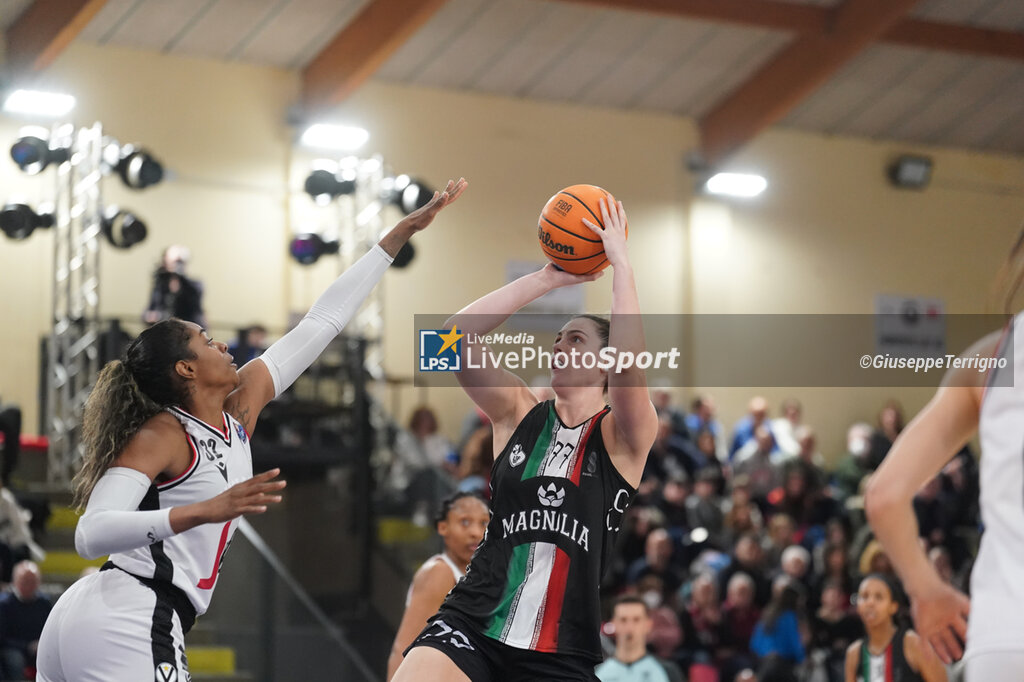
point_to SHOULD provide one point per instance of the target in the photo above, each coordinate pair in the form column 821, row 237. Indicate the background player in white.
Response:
column 166, row 435
column 963, row 405
column 461, row 523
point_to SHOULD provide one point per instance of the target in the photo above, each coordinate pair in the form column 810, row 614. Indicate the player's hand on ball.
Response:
column 422, row 217
column 613, row 236
column 247, row 497
column 560, row 278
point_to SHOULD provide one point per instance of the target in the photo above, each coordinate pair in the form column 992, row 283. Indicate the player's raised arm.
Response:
column 270, row 374
column 635, row 420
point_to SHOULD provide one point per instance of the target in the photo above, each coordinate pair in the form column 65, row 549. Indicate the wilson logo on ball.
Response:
column 546, row 240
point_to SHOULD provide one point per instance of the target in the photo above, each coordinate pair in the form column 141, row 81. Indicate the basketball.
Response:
column 565, row 240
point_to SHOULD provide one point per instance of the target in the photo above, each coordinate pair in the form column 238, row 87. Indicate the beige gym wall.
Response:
column 827, row 236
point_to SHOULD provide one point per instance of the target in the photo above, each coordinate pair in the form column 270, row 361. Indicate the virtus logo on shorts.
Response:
column 440, row 350
column 166, row 672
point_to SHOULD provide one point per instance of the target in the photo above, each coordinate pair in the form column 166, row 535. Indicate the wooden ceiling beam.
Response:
column 44, row 30
column 794, row 73
column 970, row 40
column 360, row 48
column 785, row 16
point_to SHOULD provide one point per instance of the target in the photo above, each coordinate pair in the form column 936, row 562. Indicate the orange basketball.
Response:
column 565, row 240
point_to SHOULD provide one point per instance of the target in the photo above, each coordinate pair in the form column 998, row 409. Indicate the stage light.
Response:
column 18, row 221
column 407, row 194
column 33, row 152
column 38, row 103
column 122, row 229
column 404, row 256
column 742, row 185
column 334, row 137
column 324, row 186
column 911, row 172
column 137, row 168
column 306, row 248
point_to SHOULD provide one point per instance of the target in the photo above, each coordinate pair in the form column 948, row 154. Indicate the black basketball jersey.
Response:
column 891, row 666
column 557, row 502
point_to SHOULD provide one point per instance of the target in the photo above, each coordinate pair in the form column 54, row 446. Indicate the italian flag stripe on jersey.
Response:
column 516, row 577
column 540, row 448
column 551, row 610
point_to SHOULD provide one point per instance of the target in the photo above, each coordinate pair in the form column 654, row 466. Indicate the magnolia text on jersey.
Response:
column 535, row 357
column 551, row 521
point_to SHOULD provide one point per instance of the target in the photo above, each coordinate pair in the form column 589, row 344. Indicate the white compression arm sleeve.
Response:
column 295, row 351
column 112, row 522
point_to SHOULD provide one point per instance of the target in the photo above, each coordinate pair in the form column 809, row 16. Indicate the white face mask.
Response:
column 652, row 598
column 859, row 447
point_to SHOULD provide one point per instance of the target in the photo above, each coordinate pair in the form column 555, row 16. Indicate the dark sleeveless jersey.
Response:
column 894, row 666
column 556, row 505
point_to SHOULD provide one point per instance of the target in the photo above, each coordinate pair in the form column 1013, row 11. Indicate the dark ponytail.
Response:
column 127, row 393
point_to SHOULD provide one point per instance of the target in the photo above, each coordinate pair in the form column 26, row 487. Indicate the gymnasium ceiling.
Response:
column 943, row 72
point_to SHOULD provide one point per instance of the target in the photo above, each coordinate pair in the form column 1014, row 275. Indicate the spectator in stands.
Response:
column 674, row 503
column 702, row 418
column 703, row 508
column 421, row 454
column 748, row 558
column 833, row 629
column 23, row 612
column 890, row 423
column 777, row 640
column 808, row 454
column 742, row 515
column 758, row 461
column 631, row 662
column 796, row 563
column 832, row 570
column 475, row 461
column 10, row 427
column 250, row 344
column 757, row 415
column 941, row 560
column 785, row 427
column 739, row 617
column 16, row 543
column 852, row 468
column 779, row 536
column 663, row 404
column 174, row 293
column 671, row 454
column 666, row 631
column 704, row 612
column 933, row 513
column 657, row 560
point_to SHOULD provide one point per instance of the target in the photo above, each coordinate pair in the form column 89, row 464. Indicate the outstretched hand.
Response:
column 613, row 235
column 422, row 217
column 247, row 497
column 940, row 619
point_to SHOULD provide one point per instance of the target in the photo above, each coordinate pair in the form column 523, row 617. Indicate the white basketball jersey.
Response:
column 191, row 560
column 457, row 572
column 996, row 620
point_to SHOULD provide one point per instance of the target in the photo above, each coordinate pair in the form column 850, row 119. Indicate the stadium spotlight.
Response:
column 325, row 186
column 33, row 151
column 135, row 166
column 18, row 221
column 334, row 137
column 406, row 193
column 306, row 248
column 742, row 185
column 122, row 229
column 38, row 103
column 911, row 172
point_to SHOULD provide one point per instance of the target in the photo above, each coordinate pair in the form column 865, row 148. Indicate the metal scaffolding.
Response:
column 73, row 346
